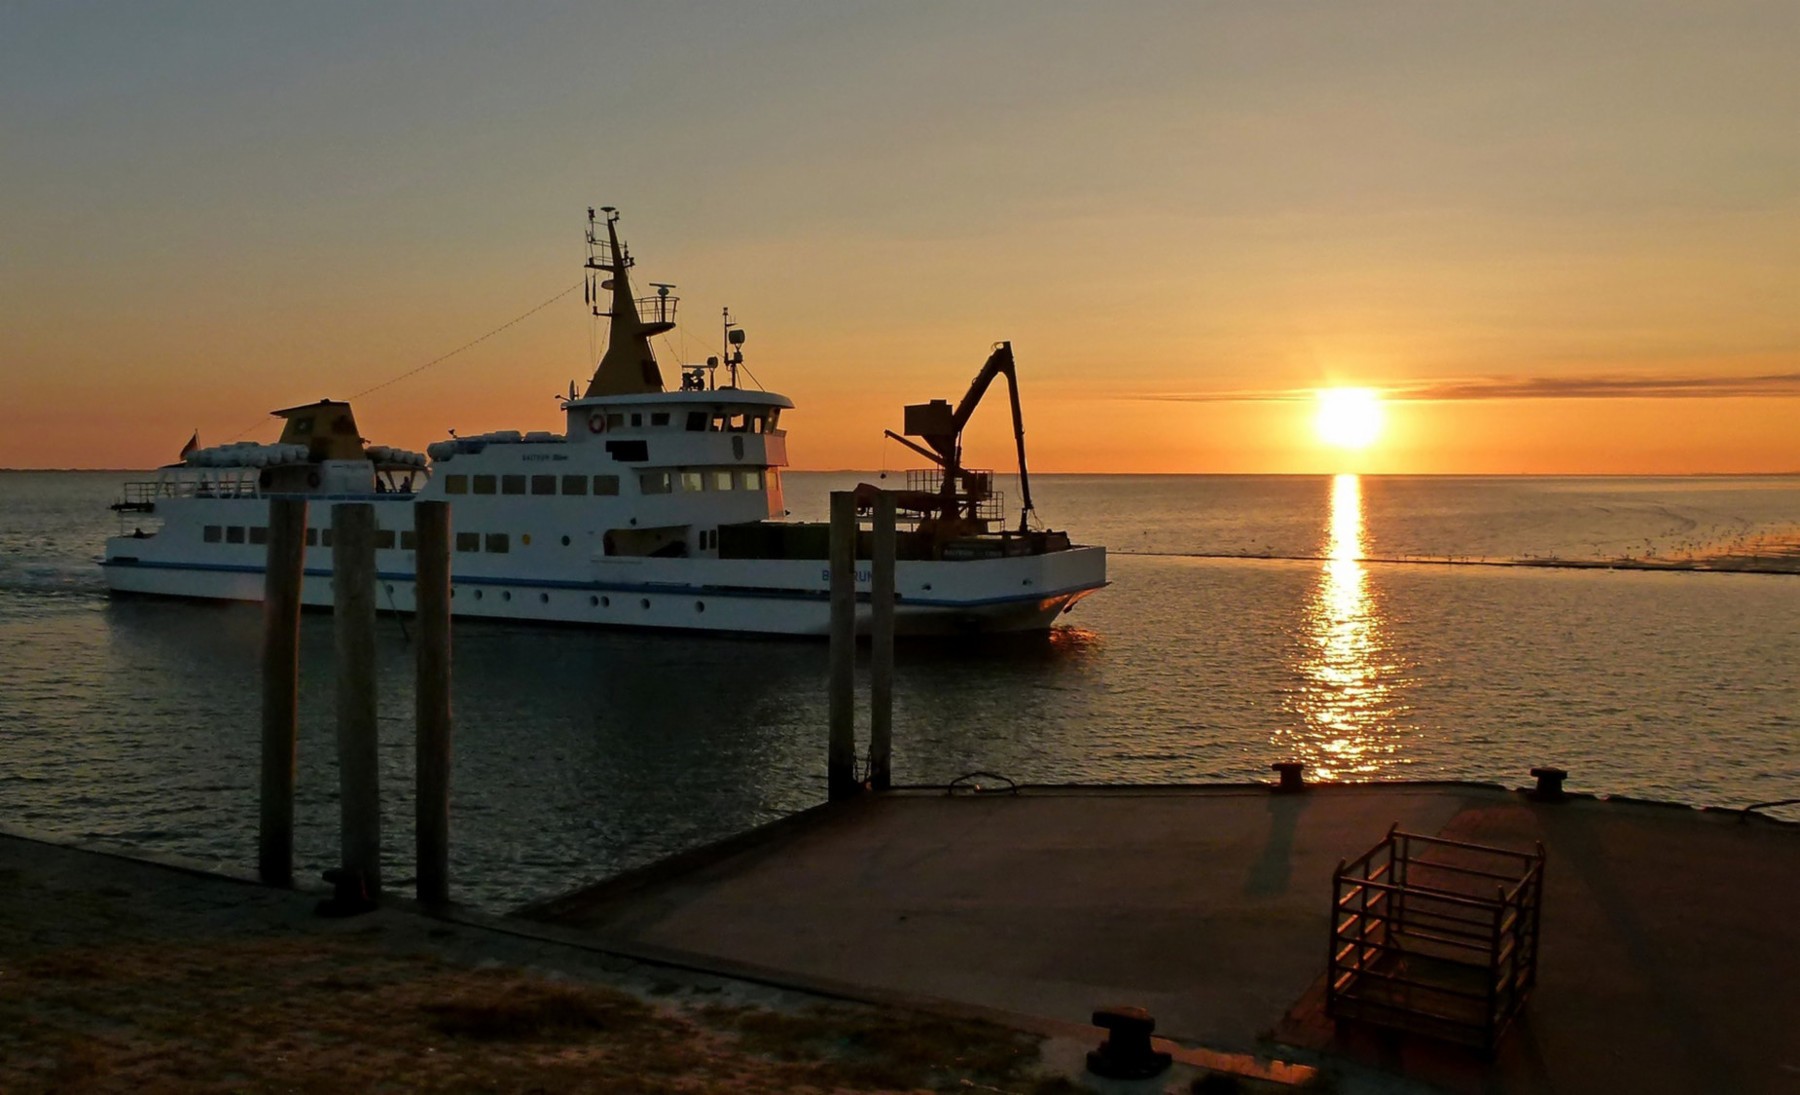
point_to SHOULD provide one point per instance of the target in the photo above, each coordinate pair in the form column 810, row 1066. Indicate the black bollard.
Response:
column 1126, row 1054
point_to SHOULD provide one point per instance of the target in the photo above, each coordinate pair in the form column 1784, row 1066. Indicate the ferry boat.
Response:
column 654, row 508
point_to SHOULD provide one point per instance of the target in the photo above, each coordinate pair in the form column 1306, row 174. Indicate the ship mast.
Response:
column 629, row 365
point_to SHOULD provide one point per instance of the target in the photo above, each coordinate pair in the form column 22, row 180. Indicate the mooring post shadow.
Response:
column 284, row 572
column 431, row 525
column 840, row 758
column 881, row 645
column 353, row 585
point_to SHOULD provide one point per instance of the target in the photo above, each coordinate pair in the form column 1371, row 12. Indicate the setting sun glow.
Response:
column 1348, row 418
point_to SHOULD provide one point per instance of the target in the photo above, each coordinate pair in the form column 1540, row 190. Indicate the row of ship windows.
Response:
column 700, row 421
column 650, row 482
column 499, row 543
column 315, row 537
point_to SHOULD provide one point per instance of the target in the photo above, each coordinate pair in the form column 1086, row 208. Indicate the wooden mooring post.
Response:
column 431, row 525
column 284, row 572
column 881, row 644
column 353, row 585
column 840, row 759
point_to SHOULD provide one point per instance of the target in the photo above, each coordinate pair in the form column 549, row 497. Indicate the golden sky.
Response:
column 1560, row 238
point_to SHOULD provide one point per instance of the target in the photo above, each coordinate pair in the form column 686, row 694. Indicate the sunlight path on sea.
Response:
column 1346, row 701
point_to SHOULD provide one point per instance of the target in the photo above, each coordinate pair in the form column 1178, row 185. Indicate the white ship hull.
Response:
column 775, row 597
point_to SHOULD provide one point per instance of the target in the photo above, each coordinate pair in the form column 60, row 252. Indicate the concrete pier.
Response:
column 1669, row 954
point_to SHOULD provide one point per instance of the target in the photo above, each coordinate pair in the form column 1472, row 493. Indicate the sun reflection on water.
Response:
column 1347, row 700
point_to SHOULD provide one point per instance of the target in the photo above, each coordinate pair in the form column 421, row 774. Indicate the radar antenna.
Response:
column 734, row 346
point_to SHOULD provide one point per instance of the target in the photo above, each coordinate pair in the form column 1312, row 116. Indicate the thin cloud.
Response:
column 1532, row 387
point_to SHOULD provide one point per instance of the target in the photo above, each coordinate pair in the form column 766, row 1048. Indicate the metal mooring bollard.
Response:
column 1126, row 1053
column 1549, row 784
column 1292, row 776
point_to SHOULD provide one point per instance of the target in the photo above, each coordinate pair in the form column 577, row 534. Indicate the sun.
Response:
column 1349, row 418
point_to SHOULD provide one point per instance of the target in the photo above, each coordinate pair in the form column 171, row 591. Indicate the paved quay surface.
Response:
column 1670, row 955
column 124, row 971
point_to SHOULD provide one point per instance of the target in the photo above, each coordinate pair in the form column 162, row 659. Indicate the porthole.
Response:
column 593, row 600
column 699, row 606
column 390, row 589
column 606, row 602
column 645, row 602
column 506, row 595
column 928, row 587
column 543, row 598
column 478, row 595
column 565, row 541
column 525, row 539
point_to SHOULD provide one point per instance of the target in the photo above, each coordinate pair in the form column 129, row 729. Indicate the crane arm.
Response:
column 999, row 363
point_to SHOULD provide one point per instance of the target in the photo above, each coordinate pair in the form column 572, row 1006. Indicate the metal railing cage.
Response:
column 1436, row 937
column 656, row 309
column 975, row 489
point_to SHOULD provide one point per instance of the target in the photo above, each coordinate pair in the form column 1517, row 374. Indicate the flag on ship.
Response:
column 193, row 443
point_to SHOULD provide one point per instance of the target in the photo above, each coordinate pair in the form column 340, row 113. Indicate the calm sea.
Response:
column 579, row 753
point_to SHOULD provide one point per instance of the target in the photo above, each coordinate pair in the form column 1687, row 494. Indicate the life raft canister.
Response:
column 597, row 422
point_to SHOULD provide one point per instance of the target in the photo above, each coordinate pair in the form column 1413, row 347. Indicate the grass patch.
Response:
column 517, row 1010
column 885, row 1049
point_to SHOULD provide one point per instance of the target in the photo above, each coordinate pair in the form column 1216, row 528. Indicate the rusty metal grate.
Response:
column 1437, row 937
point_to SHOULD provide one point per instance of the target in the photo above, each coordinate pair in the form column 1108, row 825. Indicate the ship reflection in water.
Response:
column 1347, row 700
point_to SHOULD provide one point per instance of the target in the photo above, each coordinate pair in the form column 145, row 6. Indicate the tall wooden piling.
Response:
column 840, row 761
column 353, row 583
column 881, row 644
column 431, row 525
column 285, row 570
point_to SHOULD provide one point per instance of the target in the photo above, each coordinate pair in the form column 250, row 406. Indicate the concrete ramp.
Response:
column 1670, row 947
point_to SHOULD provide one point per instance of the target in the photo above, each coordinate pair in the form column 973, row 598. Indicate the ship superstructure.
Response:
column 654, row 507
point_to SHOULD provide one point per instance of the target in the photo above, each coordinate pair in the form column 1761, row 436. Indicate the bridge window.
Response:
column 653, row 482
column 774, row 417
column 750, row 479
column 615, row 421
column 468, row 541
column 721, row 479
column 637, row 420
column 456, row 484
column 696, row 422
column 234, row 534
column 384, row 539
column 259, row 534
column 659, row 418
column 212, row 534
column 512, row 484
column 484, row 484
column 312, row 537
column 498, row 542
column 574, row 484
column 409, row 540
column 324, row 537
column 692, row 481
column 543, row 484
column 606, row 484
